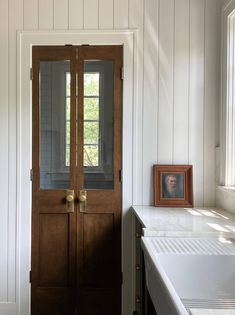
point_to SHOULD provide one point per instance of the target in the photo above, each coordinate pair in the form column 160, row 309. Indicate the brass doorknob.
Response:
column 69, row 198
column 82, row 198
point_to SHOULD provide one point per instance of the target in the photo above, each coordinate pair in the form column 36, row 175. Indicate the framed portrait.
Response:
column 173, row 185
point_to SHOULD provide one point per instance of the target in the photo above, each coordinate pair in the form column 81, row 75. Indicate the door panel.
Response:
column 54, row 302
column 98, row 250
column 76, row 250
column 54, row 263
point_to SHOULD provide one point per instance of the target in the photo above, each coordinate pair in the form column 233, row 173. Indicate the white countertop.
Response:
column 157, row 221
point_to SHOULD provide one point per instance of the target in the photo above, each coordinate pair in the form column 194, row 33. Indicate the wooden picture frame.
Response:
column 173, row 185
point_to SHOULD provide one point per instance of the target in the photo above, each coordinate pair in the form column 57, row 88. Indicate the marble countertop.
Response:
column 157, row 221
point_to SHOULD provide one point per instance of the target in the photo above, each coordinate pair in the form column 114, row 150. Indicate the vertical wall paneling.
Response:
column 16, row 16
column 91, row 14
column 106, row 14
column 30, row 14
column 121, row 12
column 166, row 60
column 223, row 86
column 4, row 153
column 136, row 20
column 196, row 105
column 61, row 14
column 46, row 14
column 181, row 87
column 75, row 14
column 150, row 96
column 212, row 48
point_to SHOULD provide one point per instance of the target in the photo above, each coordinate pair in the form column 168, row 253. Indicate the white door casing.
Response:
column 26, row 39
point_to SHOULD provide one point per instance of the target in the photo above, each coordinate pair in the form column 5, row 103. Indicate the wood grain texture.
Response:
column 98, row 264
column 196, row 99
column 76, row 257
column 53, row 254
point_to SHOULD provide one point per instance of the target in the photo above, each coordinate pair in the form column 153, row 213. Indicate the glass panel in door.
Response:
column 98, row 124
column 54, row 121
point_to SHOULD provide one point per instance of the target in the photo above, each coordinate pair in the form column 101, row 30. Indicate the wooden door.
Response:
column 76, row 215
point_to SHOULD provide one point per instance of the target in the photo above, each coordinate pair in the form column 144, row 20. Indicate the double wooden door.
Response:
column 76, row 213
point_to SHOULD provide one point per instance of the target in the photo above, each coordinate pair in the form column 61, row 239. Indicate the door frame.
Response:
column 131, row 99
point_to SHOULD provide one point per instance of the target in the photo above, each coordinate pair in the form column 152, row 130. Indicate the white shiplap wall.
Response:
column 181, row 84
column 176, row 103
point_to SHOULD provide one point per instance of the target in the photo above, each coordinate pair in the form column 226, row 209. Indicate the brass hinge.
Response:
column 30, row 276
column 122, row 73
column 120, row 175
column 31, row 174
column 31, row 73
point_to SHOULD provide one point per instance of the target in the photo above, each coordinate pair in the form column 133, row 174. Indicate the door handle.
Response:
column 82, row 200
column 70, row 200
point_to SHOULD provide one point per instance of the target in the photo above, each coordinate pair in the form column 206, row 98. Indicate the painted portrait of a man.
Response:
column 172, row 185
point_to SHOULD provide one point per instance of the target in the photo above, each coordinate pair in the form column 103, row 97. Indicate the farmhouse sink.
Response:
column 190, row 273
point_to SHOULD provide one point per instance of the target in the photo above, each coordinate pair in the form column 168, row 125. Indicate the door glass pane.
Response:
column 98, row 124
column 54, row 88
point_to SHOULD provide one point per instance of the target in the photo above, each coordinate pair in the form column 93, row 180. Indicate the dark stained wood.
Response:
column 53, row 229
column 53, row 255
column 76, row 257
column 98, row 263
column 102, row 205
column 54, row 301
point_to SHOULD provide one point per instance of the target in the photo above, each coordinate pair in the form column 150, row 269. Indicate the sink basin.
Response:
column 185, row 273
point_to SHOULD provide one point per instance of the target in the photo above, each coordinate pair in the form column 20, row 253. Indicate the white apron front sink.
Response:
column 184, row 273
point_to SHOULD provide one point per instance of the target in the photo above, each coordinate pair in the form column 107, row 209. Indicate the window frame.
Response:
column 226, row 176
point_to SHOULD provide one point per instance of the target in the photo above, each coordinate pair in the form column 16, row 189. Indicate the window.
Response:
column 91, row 148
column 229, row 91
column 67, row 122
column 92, row 143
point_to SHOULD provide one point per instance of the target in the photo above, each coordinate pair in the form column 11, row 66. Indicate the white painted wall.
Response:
column 175, row 121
